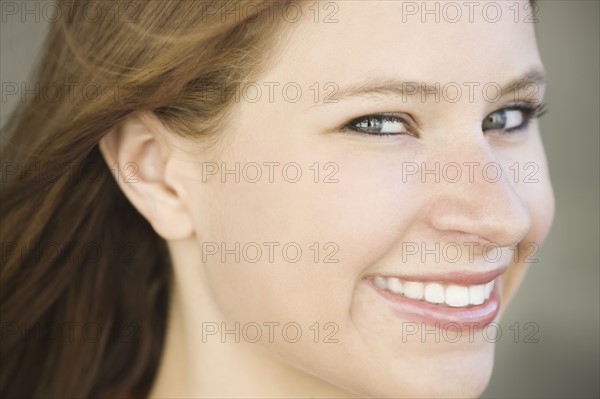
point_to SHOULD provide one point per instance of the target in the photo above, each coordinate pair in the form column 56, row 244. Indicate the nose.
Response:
column 483, row 204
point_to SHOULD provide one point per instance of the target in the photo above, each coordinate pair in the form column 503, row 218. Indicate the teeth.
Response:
column 413, row 289
column 395, row 285
column 436, row 293
column 488, row 289
column 380, row 282
column 477, row 294
column 457, row 295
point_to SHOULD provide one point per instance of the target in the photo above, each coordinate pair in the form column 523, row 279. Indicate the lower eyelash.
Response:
column 538, row 110
column 359, row 132
column 531, row 110
column 383, row 117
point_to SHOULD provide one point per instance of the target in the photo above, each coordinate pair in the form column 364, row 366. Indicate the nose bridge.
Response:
column 475, row 196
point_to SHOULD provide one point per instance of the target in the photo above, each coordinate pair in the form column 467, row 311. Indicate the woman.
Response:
column 271, row 199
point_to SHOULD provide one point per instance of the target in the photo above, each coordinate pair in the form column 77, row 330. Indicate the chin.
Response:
column 435, row 385
column 459, row 372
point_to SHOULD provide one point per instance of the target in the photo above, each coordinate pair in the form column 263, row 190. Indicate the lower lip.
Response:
column 472, row 317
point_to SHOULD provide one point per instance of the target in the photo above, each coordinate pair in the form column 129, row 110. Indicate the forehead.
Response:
column 432, row 40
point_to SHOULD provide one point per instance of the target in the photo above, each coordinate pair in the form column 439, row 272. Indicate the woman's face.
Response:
column 414, row 194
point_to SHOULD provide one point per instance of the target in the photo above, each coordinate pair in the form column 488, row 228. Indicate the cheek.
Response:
column 534, row 187
column 542, row 204
column 300, row 244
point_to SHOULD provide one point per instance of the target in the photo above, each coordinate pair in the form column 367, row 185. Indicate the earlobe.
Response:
column 139, row 144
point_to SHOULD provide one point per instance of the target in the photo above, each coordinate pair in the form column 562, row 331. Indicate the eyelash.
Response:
column 530, row 110
column 383, row 117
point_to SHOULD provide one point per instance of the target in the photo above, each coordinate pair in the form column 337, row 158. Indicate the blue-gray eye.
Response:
column 505, row 119
column 379, row 125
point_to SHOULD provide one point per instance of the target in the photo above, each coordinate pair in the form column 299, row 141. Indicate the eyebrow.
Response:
column 407, row 88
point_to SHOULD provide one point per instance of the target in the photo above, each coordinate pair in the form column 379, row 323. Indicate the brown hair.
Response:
column 84, row 278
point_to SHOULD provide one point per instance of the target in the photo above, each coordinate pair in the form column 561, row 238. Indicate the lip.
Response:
column 472, row 317
column 456, row 277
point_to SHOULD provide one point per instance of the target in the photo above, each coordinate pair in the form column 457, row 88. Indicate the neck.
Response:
column 196, row 365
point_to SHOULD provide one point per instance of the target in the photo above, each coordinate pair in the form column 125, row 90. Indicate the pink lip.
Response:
column 455, row 277
column 472, row 317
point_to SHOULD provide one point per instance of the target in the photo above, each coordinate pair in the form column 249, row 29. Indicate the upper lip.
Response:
column 458, row 277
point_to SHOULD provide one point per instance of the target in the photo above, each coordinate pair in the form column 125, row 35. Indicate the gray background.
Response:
column 561, row 292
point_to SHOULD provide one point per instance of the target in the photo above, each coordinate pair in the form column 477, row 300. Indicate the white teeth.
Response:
column 434, row 293
column 395, row 285
column 437, row 293
column 380, row 282
column 488, row 289
column 477, row 294
column 457, row 295
column 413, row 289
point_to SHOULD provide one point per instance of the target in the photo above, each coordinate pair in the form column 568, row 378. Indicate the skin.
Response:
column 369, row 213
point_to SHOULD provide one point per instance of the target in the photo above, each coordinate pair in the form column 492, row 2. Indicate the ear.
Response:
column 139, row 155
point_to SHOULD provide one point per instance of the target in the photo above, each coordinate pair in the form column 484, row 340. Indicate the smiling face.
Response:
column 385, row 221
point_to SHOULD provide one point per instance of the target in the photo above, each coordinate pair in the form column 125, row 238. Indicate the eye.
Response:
column 512, row 118
column 381, row 125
